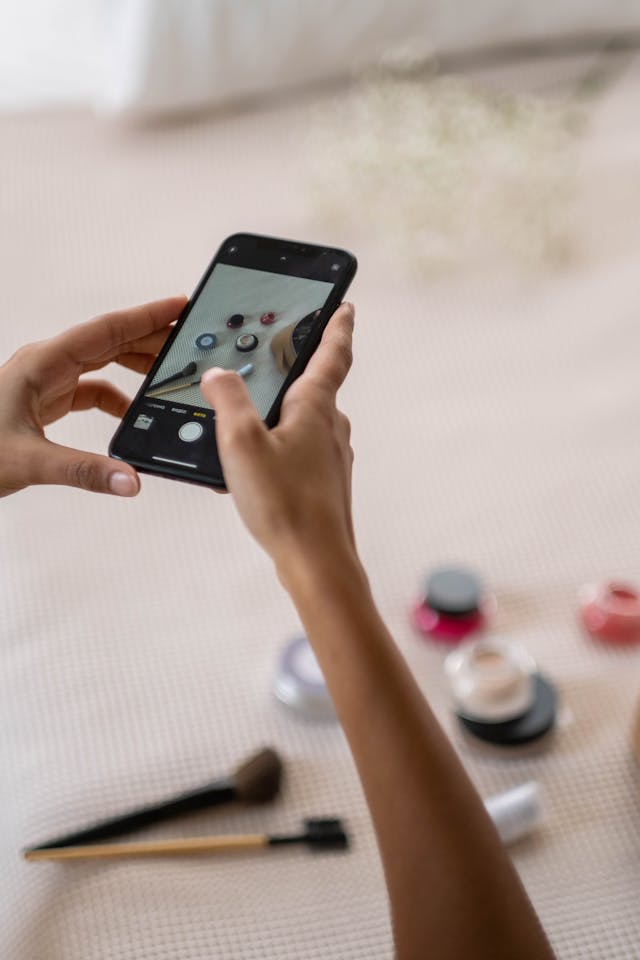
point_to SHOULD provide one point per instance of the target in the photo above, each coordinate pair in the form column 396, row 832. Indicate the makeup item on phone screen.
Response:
column 235, row 320
column 180, row 386
column 187, row 371
column 454, row 605
column 206, row 341
column 318, row 833
column 516, row 812
column 299, row 683
column 243, row 372
column 257, row 780
column 268, row 318
column 610, row 611
column 498, row 693
column 287, row 343
column 246, row 342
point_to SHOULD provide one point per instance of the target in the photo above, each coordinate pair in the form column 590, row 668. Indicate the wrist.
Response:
column 329, row 569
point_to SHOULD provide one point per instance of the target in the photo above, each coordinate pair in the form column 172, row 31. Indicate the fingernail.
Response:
column 347, row 303
column 123, row 484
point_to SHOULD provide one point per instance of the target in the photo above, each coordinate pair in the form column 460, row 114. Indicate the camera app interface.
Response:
column 248, row 320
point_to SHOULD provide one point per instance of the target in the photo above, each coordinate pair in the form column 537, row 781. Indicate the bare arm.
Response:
column 454, row 892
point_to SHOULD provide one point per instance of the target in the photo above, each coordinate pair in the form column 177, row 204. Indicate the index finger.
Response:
column 102, row 339
column 330, row 364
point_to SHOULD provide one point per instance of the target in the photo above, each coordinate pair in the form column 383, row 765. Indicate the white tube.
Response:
column 516, row 812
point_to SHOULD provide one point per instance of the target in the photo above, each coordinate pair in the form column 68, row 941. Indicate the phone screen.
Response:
column 258, row 310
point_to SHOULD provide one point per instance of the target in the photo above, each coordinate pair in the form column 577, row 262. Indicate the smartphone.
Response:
column 260, row 310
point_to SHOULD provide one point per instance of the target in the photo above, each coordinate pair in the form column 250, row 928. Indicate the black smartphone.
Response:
column 259, row 309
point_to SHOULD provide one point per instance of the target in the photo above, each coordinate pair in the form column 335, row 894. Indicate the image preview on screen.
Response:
column 247, row 320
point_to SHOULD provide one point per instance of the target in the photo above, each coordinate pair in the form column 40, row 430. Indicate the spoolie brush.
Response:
column 257, row 780
column 319, row 833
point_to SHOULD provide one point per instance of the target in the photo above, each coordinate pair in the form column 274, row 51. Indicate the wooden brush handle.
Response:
column 162, row 390
column 152, row 848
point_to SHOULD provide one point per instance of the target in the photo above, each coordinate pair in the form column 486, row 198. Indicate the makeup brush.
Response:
column 318, row 833
column 243, row 372
column 179, row 386
column 187, row 372
column 257, row 780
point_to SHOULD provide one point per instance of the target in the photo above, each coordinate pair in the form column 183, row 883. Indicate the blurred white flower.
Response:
column 448, row 173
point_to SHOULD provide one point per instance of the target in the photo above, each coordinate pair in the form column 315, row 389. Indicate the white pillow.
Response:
column 167, row 55
column 143, row 56
column 174, row 54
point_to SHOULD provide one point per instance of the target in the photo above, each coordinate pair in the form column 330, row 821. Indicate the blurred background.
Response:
column 482, row 161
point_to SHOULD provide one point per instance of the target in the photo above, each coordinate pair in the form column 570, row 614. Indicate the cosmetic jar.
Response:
column 498, row 694
column 491, row 680
column 299, row 683
column 454, row 605
column 610, row 611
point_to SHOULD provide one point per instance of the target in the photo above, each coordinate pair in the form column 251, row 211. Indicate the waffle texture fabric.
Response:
column 495, row 422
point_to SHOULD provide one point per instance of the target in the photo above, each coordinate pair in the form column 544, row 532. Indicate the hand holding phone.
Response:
column 44, row 381
column 292, row 484
column 259, row 310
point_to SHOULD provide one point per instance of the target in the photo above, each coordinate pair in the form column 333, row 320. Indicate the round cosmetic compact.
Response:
column 498, row 694
column 532, row 725
column 610, row 611
column 268, row 318
column 490, row 680
column 235, row 320
column 454, row 605
column 246, row 342
column 206, row 341
column 299, row 683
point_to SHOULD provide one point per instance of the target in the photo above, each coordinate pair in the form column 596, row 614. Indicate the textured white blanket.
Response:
column 495, row 421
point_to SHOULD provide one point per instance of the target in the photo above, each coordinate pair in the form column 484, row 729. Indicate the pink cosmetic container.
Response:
column 610, row 611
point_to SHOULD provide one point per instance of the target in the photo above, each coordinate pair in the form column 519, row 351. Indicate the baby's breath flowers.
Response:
column 450, row 173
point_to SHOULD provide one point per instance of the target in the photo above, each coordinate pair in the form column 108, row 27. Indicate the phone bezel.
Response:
column 310, row 345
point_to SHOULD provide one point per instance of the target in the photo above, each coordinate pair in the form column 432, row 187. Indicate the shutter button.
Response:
column 190, row 431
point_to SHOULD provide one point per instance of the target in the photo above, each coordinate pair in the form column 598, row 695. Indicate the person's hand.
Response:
column 291, row 484
column 44, row 381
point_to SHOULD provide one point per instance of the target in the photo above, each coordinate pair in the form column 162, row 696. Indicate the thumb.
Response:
column 87, row 471
column 237, row 420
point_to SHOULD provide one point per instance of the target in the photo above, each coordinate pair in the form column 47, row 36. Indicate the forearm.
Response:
column 453, row 890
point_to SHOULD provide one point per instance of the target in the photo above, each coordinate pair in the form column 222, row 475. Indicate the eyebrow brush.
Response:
column 257, row 780
column 319, row 833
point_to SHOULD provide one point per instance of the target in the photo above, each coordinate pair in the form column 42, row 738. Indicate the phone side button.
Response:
column 190, row 431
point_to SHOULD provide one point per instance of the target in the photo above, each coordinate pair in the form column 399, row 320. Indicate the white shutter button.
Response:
column 190, row 431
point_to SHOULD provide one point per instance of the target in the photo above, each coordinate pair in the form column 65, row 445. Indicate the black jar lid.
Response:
column 454, row 591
